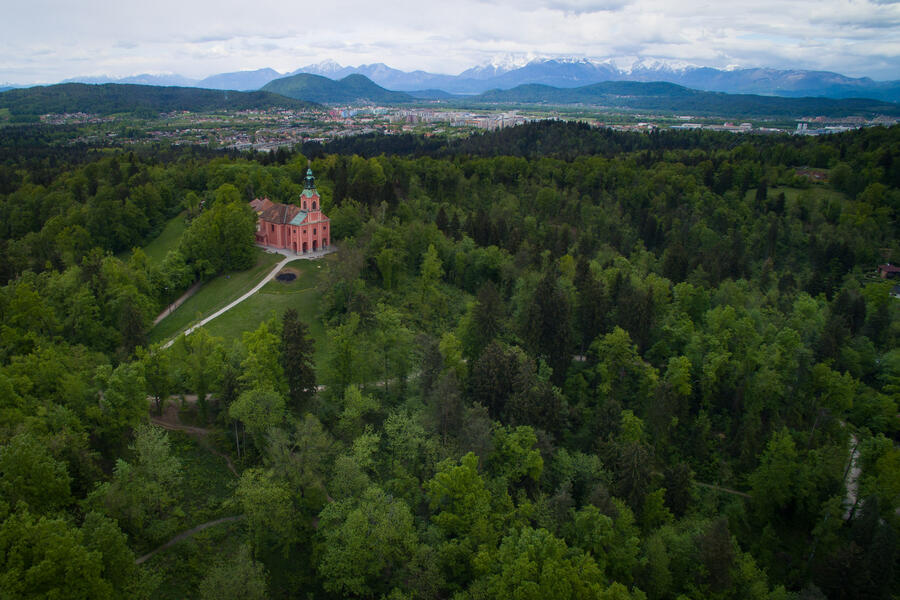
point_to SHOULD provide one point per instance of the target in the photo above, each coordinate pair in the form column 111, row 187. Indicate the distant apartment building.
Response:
column 302, row 228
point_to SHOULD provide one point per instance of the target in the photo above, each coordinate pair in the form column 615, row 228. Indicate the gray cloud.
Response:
column 49, row 40
column 579, row 6
column 205, row 39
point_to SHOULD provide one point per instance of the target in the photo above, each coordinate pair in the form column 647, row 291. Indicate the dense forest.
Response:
column 561, row 363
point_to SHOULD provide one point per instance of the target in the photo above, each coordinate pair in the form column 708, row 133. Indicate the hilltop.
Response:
column 114, row 98
column 316, row 88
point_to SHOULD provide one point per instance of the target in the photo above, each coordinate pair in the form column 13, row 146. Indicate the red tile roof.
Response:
column 260, row 204
column 279, row 213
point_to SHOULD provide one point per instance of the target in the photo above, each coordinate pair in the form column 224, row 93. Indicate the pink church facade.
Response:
column 301, row 229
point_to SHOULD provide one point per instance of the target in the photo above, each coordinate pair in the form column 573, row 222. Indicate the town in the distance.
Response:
column 331, row 102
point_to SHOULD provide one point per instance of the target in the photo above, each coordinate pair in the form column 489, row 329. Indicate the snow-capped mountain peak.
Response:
column 326, row 67
column 500, row 64
column 645, row 64
column 510, row 61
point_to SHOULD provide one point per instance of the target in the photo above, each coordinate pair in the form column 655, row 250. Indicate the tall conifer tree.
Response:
column 297, row 349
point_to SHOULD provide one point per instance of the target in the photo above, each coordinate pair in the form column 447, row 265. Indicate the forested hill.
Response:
column 565, row 140
column 114, row 98
column 671, row 97
column 315, row 88
column 664, row 368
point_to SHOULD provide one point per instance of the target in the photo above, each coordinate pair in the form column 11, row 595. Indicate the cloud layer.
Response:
column 46, row 41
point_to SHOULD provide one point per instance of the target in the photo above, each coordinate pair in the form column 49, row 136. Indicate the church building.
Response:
column 301, row 228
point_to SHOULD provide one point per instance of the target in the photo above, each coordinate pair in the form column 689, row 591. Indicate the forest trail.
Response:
column 723, row 489
column 184, row 535
column 168, row 311
column 169, row 420
column 851, row 479
column 196, row 431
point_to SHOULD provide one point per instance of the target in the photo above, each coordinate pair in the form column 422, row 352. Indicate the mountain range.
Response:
column 556, row 72
column 299, row 91
column 569, row 73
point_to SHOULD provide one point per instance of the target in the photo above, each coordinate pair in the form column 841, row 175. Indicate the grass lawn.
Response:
column 276, row 296
column 167, row 240
column 214, row 295
column 792, row 194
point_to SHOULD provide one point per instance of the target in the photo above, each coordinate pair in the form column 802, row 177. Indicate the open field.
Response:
column 793, row 194
column 275, row 297
column 167, row 239
column 212, row 296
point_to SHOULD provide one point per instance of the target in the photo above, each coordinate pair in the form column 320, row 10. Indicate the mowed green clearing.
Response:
column 275, row 297
column 157, row 248
column 792, row 194
column 167, row 239
column 214, row 295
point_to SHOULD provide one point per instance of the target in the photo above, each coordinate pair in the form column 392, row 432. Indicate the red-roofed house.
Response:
column 888, row 270
column 301, row 228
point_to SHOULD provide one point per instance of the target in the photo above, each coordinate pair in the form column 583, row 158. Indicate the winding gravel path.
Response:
column 181, row 300
column 228, row 307
column 851, row 479
column 288, row 257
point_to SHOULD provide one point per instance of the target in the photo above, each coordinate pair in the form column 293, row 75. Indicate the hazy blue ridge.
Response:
column 239, row 80
column 558, row 72
column 432, row 95
column 317, row 88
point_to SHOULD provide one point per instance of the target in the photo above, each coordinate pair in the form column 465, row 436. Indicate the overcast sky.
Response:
column 49, row 40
